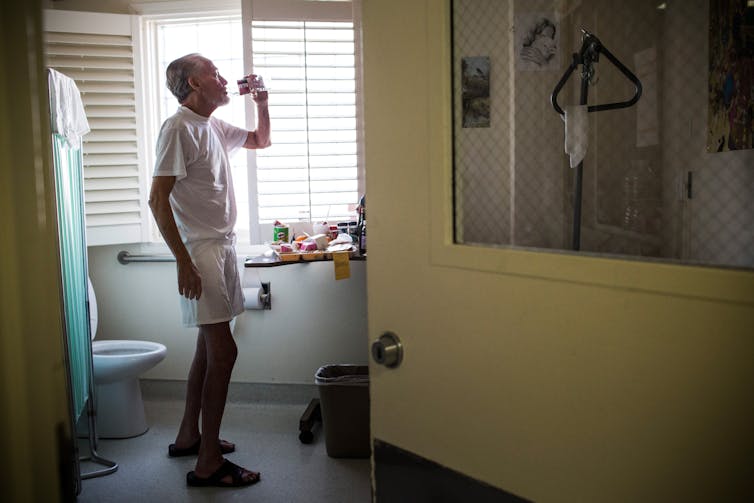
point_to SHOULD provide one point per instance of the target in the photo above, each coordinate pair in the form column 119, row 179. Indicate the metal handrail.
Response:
column 125, row 258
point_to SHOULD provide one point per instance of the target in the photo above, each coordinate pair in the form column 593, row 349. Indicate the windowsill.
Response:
column 243, row 249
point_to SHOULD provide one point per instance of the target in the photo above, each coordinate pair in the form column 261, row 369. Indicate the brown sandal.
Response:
column 216, row 479
column 176, row 452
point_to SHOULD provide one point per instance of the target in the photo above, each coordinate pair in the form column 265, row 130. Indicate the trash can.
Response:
column 344, row 402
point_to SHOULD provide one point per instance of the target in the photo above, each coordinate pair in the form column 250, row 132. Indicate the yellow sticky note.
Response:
column 342, row 265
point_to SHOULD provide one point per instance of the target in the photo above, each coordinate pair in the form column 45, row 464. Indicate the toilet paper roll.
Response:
column 252, row 298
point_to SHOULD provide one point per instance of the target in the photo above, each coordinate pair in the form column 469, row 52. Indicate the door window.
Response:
column 668, row 177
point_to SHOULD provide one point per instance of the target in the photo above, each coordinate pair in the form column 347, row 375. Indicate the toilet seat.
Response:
column 120, row 359
column 120, row 347
column 93, row 314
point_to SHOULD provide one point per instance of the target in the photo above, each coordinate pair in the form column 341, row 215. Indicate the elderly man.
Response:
column 193, row 202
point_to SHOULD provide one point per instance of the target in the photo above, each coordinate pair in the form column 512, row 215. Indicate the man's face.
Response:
column 210, row 84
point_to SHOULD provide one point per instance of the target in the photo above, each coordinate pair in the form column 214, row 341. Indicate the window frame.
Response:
column 151, row 15
column 305, row 10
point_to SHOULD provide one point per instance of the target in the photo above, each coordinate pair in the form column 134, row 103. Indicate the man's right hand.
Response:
column 189, row 280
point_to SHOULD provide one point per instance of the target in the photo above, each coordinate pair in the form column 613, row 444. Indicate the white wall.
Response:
column 315, row 320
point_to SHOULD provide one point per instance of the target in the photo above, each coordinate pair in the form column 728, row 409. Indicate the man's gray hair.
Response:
column 178, row 73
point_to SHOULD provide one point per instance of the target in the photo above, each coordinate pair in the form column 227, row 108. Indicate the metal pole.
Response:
column 578, row 175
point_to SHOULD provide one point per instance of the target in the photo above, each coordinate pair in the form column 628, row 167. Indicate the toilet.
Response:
column 117, row 367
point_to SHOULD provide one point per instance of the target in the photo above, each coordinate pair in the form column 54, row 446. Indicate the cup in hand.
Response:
column 251, row 83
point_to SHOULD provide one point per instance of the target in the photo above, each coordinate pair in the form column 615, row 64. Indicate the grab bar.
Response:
column 125, row 258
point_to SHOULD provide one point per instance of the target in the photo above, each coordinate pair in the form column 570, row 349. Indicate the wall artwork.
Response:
column 475, row 80
column 537, row 42
column 731, row 79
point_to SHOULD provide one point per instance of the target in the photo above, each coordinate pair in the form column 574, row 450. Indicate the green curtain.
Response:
column 73, row 258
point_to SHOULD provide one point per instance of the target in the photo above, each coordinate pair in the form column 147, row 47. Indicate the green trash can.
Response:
column 344, row 402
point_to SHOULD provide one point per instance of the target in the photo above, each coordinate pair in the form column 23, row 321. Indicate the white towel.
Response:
column 67, row 114
column 576, row 133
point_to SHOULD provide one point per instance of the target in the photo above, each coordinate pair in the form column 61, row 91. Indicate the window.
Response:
column 312, row 171
column 219, row 38
column 666, row 177
column 306, row 50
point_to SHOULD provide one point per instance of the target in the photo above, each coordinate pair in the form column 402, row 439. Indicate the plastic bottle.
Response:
column 363, row 238
column 361, row 232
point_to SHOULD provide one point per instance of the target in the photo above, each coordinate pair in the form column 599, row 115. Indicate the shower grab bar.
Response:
column 125, row 258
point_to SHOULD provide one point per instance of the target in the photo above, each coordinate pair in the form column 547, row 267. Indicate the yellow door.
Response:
column 38, row 452
column 552, row 377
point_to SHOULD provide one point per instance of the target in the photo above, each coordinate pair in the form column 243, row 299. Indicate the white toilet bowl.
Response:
column 117, row 367
column 121, row 360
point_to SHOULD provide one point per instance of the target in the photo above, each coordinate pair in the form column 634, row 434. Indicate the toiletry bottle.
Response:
column 363, row 238
column 362, row 225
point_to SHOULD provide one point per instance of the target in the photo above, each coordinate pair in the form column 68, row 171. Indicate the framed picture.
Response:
column 475, row 77
column 537, row 42
column 731, row 81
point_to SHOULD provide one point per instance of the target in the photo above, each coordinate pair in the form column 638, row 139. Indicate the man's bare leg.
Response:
column 188, row 432
column 221, row 351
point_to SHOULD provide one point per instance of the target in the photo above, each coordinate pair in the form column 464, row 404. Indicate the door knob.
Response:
column 388, row 350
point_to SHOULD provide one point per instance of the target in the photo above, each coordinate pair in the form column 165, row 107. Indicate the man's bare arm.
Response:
column 189, row 281
column 260, row 138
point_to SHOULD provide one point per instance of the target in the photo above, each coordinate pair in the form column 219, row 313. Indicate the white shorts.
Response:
column 222, row 296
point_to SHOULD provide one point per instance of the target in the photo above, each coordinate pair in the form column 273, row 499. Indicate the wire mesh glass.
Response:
column 669, row 178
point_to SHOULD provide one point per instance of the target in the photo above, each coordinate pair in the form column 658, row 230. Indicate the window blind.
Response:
column 311, row 171
column 97, row 51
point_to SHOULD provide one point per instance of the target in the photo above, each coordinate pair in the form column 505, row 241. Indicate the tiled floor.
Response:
column 266, row 437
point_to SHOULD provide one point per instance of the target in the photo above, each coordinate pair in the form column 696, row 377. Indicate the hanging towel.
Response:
column 576, row 133
column 67, row 116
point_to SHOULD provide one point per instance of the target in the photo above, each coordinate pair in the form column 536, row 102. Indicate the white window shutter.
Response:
column 311, row 170
column 98, row 52
column 314, row 169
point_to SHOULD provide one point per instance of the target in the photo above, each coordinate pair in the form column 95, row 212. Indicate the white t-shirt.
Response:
column 196, row 151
